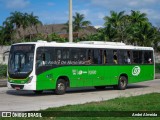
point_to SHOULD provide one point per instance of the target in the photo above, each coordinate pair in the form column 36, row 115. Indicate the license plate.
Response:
column 17, row 88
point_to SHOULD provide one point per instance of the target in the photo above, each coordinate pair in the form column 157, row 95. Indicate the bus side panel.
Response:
column 137, row 73
column 146, row 73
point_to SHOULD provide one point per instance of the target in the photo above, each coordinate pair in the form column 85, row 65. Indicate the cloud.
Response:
column 14, row 4
column 124, row 3
column 52, row 17
column 152, row 14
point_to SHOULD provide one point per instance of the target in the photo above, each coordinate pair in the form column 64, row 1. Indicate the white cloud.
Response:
column 124, row 3
column 151, row 13
column 16, row 3
column 52, row 17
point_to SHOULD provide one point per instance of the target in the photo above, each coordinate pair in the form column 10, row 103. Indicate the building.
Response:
column 45, row 30
column 4, row 54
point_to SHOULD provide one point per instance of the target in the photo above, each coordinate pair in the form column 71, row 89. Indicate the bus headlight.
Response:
column 30, row 79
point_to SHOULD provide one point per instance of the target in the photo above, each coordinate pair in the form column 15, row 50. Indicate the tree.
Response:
column 145, row 34
column 137, row 17
column 14, row 22
column 115, row 22
column 79, row 22
column 33, row 20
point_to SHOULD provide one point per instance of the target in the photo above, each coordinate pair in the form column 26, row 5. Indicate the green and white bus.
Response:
column 42, row 65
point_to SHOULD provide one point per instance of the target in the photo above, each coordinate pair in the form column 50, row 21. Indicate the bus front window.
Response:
column 21, row 61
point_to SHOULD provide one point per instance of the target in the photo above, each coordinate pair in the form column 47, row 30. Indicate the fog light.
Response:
column 30, row 79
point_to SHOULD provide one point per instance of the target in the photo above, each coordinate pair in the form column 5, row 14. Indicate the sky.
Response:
column 56, row 11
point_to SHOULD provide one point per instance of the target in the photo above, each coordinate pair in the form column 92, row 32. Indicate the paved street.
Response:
column 12, row 100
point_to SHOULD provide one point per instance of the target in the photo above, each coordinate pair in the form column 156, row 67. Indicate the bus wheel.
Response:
column 100, row 87
column 38, row 91
column 122, row 83
column 60, row 87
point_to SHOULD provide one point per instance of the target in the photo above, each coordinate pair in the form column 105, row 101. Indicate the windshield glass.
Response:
column 21, row 60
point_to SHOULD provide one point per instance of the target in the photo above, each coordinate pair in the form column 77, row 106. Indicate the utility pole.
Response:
column 70, row 22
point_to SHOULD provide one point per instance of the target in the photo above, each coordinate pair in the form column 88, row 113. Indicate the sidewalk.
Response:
column 3, row 82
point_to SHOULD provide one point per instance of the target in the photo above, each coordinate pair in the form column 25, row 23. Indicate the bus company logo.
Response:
column 80, row 72
column 136, row 71
column 74, row 72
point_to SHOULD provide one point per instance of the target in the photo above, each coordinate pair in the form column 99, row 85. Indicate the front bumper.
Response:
column 29, row 86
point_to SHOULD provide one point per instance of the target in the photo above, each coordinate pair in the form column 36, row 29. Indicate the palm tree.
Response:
column 145, row 34
column 110, row 32
column 7, row 32
column 16, row 19
column 115, row 21
column 139, row 24
column 138, row 17
column 33, row 20
column 79, row 22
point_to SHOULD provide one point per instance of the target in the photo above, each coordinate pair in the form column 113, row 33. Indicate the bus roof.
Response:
column 88, row 44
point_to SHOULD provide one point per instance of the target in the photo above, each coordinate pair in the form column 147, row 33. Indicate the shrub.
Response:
column 3, row 71
column 157, row 67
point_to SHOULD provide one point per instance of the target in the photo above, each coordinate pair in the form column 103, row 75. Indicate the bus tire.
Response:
column 60, row 87
column 122, row 83
column 38, row 91
column 100, row 87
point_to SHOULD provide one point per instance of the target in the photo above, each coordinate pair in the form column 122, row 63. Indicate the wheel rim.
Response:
column 61, row 86
column 123, row 83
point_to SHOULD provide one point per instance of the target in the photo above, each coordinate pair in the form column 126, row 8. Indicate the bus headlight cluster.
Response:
column 30, row 79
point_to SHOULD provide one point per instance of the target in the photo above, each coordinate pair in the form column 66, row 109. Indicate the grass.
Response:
column 148, row 102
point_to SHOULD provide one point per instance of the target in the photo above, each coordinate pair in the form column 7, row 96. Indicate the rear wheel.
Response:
column 60, row 87
column 100, row 87
column 122, row 83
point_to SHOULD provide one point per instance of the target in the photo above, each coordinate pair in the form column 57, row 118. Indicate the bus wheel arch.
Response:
column 66, row 79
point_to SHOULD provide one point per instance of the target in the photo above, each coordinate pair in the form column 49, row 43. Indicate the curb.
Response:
column 3, row 83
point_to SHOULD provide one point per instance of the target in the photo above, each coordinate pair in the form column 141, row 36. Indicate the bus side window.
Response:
column 148, row 57
column 105, row 57
column 115, row 58
column 97, row 56
column 65, row 54
column 40, row 57
column 82, row 56
column 137, row 57
column 89, row 57
column 58, row 53
column 126, row 57
column 110, row 56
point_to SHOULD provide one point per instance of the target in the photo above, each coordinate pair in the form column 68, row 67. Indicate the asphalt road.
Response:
column 12, row 100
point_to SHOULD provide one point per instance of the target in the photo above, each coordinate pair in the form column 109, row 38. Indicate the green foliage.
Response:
column 15, row 21
column 131, row 29
column 157, row 68
column 55, row 37
column 134, row 29
column 3, row 71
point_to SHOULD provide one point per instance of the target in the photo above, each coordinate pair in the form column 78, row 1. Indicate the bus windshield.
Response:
column 21, row 61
